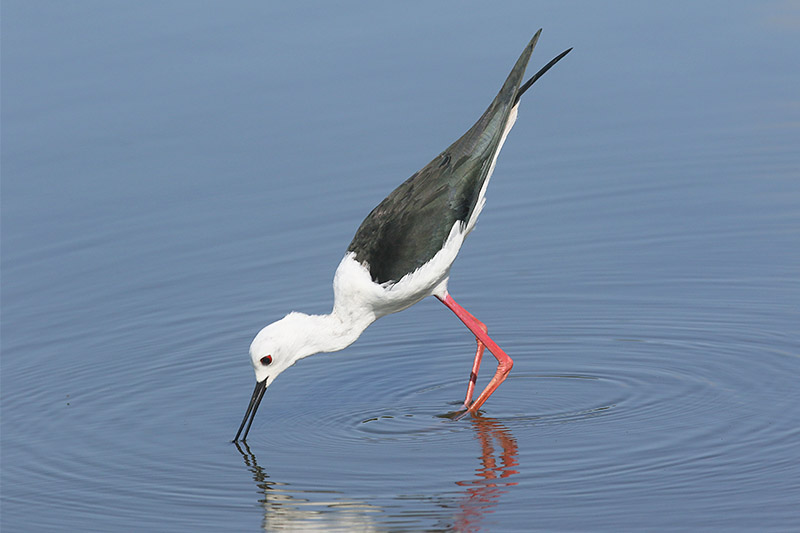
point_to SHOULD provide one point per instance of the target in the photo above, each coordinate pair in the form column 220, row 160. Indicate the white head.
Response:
column 276, row 348
column 279, row 345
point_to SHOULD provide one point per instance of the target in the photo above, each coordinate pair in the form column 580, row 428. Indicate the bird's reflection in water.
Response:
column 498, row 462
column 285, row 508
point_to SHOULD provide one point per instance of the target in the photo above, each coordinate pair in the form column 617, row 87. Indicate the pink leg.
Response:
column 504, row 362
column 476, row 365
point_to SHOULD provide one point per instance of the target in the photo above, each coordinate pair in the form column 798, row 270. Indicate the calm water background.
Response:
column 176, row 175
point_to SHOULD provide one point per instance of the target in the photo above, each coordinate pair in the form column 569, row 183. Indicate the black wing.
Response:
column 411, row 224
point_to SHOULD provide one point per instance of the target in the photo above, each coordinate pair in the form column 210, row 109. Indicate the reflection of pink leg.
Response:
column 504, row 362
column 484, row 492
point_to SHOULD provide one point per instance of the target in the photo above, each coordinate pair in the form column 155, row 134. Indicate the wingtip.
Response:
column 527, row 85
column 535, row 39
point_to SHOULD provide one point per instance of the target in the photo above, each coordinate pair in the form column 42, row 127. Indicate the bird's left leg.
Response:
column 504, row 362
column 476, row 364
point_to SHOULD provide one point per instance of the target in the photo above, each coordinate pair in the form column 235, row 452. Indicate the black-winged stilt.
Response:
column 403, row 250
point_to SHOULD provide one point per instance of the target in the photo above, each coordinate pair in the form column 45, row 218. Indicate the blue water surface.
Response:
column 177, row 175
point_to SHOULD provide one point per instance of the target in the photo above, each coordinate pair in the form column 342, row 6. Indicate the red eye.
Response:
column 266, row 360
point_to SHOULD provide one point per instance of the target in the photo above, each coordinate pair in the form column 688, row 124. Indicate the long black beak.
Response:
column 250, row 415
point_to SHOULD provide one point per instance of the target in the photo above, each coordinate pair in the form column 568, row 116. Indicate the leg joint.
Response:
column 506, row 365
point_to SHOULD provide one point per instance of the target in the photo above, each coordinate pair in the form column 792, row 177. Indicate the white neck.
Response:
column 326, row 333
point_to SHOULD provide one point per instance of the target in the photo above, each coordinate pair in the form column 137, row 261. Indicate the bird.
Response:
column 402, row 253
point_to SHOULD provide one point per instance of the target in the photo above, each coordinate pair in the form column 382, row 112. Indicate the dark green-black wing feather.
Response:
column 411, row 224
